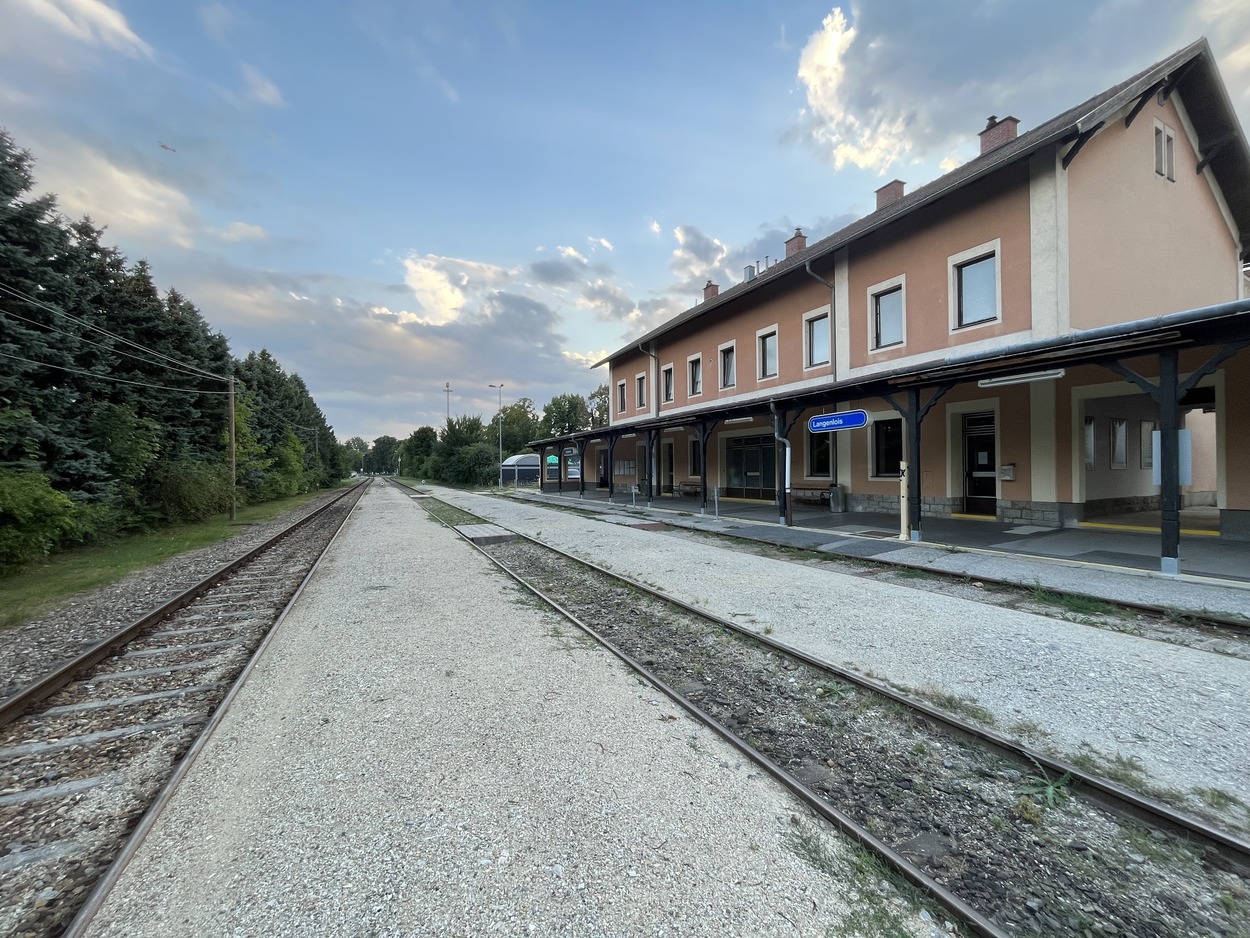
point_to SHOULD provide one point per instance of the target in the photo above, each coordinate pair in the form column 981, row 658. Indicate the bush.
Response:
column 188, row 490
column 34, row 518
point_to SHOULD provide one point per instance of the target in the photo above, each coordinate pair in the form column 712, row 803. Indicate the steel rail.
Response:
column 1107, row 793
column 104, row 885
column 24, row 699
column 979, row 924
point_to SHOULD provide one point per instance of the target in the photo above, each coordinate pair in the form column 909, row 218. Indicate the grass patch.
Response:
column 955, row 704
column 914, row 573
column 41, row 586
column 1069, row 602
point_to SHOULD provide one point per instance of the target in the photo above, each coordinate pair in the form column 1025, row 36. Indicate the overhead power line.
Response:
column 92, row 374
column 4, row 288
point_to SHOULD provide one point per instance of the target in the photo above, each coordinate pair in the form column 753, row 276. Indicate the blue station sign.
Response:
column 846, row 420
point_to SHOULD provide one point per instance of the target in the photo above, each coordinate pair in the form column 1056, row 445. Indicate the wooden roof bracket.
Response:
column 1083, row 139
column 1212, row 150
column 1141, row 102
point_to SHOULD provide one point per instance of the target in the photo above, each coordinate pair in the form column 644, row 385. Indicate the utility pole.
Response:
column 233, row 468
column 500, row 387
column 447, row 391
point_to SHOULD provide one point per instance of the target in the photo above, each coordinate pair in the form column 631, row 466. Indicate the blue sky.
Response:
column 394, row 194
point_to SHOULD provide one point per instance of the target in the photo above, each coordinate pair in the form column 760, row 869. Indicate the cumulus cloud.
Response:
column 654, row 227
column 572, row 253
column 555, row 273
column 608, row 302
column 696, row 256
column 600, row 242
column 90, row 21
column 260, row 89
column 445, row 285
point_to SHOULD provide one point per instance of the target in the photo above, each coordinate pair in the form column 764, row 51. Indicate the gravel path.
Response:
column 424, row 751
column 1180, row 711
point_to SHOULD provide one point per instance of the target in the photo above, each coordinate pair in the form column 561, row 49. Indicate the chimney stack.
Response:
column 890, row 192
column 710, row 290
column 997, row 132
column 797, row 243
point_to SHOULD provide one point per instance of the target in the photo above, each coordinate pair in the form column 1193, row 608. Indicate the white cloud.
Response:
column 572, row 253
column 585, row 360
column 608, row 302
column 696, row 256
column 654, row 227
column 260, row 89
column 91, row 21
column 240, row 231
column 871, row 142
column 445, row 285
column 218, row 20
column 600, row 242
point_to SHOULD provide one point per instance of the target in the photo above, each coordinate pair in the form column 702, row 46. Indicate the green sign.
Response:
column 553, row 460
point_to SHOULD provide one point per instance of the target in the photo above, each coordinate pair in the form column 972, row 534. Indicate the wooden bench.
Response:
column 813, row 496
column 688, row 489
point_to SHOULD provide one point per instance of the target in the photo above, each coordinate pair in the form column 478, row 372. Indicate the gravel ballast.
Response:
column 1179, row 713
column 423, row 750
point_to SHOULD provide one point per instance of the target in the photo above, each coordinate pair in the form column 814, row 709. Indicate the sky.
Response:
column 395, row 197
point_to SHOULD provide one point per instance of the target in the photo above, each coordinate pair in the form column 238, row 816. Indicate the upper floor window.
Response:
column 728, row 372
column 640, row 382
column 816, row 340
column 667, row 378
column 696, row 375
column 768, row 354
column 887, row 317
column 620, row 397
column 1165, row 151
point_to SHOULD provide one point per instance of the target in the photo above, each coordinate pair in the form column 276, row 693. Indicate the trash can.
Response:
column 837, row 498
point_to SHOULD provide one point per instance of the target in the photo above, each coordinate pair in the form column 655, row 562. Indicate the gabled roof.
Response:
column 1192, row 71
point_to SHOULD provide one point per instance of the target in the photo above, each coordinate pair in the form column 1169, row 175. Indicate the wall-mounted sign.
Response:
column 845, row 420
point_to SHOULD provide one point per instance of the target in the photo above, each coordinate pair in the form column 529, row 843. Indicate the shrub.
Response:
column 188, row 490
column 34, row 518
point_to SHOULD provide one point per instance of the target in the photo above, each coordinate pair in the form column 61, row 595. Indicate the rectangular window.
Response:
column 768, row 355
column 887, row 318
column 977, row 289
column 620, row 397
column 696, row 458
column 1090, row 444
column 667, row 375
column 728, row 376
column 819, row 455
column 1119, row 443
column 1148, row 428
column 818, row 340
column 887, row 447
column 640, row 383
column 1165, row 151
column 696, row 376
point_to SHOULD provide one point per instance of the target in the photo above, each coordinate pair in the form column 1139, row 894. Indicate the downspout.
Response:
column 785, row 445
column 654, row 408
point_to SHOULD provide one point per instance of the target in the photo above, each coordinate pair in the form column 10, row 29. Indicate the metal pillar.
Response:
column 913, row 416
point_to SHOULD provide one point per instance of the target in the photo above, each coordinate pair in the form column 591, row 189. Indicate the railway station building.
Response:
column 1054, row 331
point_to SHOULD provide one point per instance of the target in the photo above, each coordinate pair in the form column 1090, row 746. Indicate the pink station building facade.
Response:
column 1054, row 331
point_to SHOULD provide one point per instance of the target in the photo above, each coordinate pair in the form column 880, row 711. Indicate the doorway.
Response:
column 666, row 470
column 603, row 469
column 751, row 467
column 980, row 465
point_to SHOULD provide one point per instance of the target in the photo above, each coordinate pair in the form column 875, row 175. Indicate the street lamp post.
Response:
column 500, row 387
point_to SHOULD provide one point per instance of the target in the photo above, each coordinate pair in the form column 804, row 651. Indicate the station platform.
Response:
column 1118, row 558
column 422, row 750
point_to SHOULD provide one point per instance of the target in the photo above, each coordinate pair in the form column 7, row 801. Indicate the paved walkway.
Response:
column 1105, row 563
column 422, row 751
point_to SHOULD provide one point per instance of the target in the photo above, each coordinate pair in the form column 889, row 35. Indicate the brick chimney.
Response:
column 997, row 132
column 797, row 243
column 890, row 192
column 710, row 290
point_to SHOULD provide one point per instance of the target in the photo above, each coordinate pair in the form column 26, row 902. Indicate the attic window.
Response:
column 1165, row 151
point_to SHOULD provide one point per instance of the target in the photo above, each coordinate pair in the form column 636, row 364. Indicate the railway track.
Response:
column 1007, row 840
column 86, row 750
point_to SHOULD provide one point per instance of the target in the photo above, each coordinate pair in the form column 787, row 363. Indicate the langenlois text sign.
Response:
column 846, row 420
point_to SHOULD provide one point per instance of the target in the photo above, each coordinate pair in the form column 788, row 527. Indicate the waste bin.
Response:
column 837, row 498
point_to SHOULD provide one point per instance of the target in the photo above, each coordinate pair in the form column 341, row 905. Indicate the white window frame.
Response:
column 953, row 265
column 874, row 473
column 690, row 389
column 621, row 399
column 808, row 318
column 879, row 289
column 720, row 364
column 1164, row 151
column 1119, row 443
column 1147, row 441
column 760, row 335
column 819, row 439
column 668, row 389
column 640, row 390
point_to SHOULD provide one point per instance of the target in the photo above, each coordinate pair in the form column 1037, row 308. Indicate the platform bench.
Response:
column 689, row 489
column 814, row 496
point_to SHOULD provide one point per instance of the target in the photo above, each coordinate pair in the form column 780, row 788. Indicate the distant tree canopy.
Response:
column 565, row 413
column 113, row 397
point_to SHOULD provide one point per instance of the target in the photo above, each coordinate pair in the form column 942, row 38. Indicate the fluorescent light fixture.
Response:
column 739, row 420
column 1051, row 375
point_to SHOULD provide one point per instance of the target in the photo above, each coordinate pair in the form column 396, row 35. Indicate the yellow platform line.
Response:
column 1107, row 526
column 962, row 517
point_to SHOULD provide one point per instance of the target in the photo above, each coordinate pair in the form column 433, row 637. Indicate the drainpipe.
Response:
column 833, row 346
column 784, row 443
column 653, row 405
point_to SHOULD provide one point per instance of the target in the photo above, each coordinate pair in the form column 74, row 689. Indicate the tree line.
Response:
column 466, row 451
column 114, row 396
